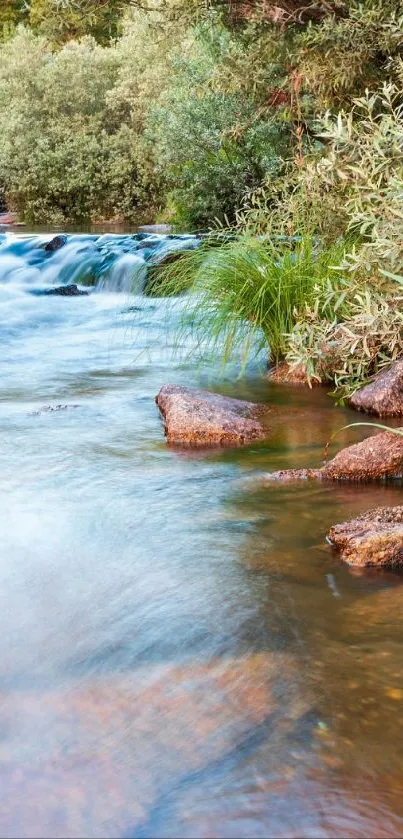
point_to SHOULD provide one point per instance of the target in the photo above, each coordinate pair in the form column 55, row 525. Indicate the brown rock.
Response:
column 291, row 374
column 375, row 538
column 379, row 457
column 383, row 396
column 197, row 418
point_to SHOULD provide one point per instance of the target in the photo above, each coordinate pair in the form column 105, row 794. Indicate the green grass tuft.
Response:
column 247, row 292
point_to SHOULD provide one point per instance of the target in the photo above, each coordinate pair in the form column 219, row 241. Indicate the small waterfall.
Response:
column 110, row 262
column 126, row 274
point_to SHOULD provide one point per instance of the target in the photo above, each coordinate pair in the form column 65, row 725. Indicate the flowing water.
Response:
column 180, row 651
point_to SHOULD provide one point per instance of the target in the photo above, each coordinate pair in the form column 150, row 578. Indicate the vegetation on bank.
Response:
column 295, row 298
column 276, row 120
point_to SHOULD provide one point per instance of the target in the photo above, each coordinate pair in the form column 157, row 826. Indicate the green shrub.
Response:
column 345, row 54
column 68, row 20
column 348, row 353
column 67, row 152
column 352, row 184
column 296, row 300
column 212, row 142
column 366, row 154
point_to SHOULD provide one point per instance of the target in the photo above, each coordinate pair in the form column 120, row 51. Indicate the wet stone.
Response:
column 50, row 409
column 288, row 476
column 384, row 396
column 197, row 418
column 378, row 458
column 63, row 291
column 375, row 538
column 55, row 244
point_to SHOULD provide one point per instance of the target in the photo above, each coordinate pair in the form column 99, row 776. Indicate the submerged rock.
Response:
column 46, row 409
column 383, row 396
column 379, row 457
column 117, row 756
column 375, row 538
column 288, row 476
column 197, row 418
column 63, row 291
column 376, row 610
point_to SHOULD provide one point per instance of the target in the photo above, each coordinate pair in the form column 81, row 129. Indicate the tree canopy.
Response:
column 198, row 105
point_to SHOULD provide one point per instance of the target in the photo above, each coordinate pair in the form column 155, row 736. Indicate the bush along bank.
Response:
column 318, row 321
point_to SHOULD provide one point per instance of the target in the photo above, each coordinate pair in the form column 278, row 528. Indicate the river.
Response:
column 181, row 653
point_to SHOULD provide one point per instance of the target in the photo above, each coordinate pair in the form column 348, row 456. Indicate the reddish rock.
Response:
column 197, row 418
column 291, row 374
column 383, row 396
column 379, row 457
column 375, row 538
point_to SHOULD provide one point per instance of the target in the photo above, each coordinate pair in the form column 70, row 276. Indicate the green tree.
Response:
column 61, row 21
column 214, row 140
column 12, row 12
column 66, row 153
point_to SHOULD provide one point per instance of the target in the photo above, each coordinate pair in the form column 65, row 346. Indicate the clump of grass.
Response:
column 248, row 292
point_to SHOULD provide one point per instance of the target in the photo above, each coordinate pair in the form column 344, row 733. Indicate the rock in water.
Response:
column 289, row 476
column 64, row 291
column 379, row 457
column 375, row 538
column 383, row 396
column 56, row 243
column 197, row 418
column 47, row 409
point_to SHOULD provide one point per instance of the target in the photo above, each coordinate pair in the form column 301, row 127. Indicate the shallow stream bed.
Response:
column 180, row 651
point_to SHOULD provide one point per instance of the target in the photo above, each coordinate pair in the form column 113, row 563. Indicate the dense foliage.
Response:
column 186, row 107
column 280, row 118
